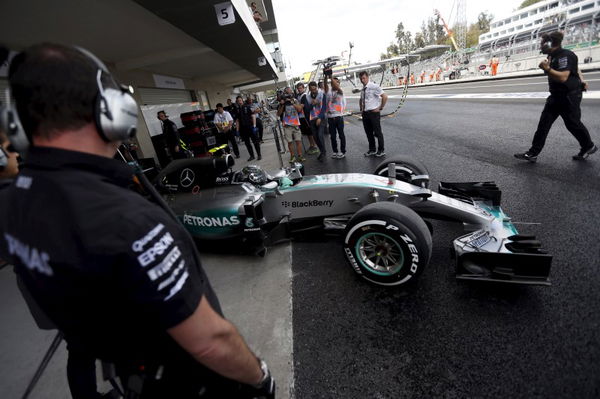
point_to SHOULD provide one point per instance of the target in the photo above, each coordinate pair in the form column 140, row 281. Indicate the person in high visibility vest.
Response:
column 412, row 78
column 431, row 75
column 289, row 111
column 438, row 74
column 336, row 107
column 494, row 62
column 317, row 114
column 302, row 98
column 422, row 77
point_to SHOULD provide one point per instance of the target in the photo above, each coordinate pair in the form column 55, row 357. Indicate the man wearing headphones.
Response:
column 566, row 85
column 117, row 275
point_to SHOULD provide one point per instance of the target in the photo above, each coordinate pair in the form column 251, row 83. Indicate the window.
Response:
column 520, row 27
column 529, row 24
column 543, row 8
column 539, row 21
column 553, row 5
column 533, row 12
column 495, row 34
column 574, row 10
column 503, row 32
column 587, row 6
column 524, row 15
column 511, row 30
column 507, row 21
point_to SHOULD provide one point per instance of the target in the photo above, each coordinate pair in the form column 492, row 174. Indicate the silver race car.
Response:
column 383, row 217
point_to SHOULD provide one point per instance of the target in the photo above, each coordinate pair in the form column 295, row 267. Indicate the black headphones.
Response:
column 546, row 46
column 115, row 111
column 3, row 159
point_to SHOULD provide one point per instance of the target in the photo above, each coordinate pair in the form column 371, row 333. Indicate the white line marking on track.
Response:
column 594, row 95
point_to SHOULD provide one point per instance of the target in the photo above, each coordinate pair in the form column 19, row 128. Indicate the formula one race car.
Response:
column 382, row 217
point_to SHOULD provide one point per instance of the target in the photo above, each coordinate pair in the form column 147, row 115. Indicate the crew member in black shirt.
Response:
column 566, row 84
column 246, row 125
column 117, row 275
column 171, row 136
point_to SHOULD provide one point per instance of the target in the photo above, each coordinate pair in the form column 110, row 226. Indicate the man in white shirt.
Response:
column 372, row 101
column 224, row 123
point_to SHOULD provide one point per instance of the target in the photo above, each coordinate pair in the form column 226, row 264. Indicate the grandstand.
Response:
column 514, row 39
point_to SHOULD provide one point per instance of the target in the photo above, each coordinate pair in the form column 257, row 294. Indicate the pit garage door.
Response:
column 153, row 96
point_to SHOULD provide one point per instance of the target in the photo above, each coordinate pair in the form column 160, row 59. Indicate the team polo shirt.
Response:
column 564, row 60
column 112, row 270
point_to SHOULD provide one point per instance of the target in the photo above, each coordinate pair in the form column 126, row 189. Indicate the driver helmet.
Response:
column 255, row 175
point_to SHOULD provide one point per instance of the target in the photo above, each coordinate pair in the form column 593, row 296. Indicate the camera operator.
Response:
column 566, row 84
column 336, row 104
column 318, row 112
column 117, row 275
column 302, row 98
column 289, row 111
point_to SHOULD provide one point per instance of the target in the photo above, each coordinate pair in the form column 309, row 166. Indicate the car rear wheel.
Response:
column 406, row 169
column 387, row 244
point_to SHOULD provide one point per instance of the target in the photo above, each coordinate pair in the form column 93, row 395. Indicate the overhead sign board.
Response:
column 225, row 15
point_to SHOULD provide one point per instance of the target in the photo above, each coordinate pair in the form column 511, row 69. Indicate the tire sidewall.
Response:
column 415, row 167
column 414, row 251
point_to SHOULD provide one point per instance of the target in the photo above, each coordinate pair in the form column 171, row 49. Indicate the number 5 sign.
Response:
column 225, row 14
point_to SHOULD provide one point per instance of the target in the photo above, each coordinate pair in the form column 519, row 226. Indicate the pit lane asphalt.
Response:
column 451, row 339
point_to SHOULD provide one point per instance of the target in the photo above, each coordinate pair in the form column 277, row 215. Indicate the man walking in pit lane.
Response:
column 289, row 110
column 246, row 125
column 304, row 117
column 372, row 101
column 318, row 112
column 336, row 105
column 566, row 84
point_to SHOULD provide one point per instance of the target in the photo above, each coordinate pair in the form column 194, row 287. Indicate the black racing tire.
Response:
column 401, row 238
column 406, row 168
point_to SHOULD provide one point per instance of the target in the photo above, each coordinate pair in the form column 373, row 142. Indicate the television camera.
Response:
column 328, row 64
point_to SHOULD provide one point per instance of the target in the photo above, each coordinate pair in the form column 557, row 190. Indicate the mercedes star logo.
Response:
column 187, row 177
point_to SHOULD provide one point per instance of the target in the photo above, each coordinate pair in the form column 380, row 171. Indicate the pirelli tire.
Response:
column 406, row 168
column 387, row 244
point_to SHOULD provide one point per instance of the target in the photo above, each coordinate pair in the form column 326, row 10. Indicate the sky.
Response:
column 314, row 29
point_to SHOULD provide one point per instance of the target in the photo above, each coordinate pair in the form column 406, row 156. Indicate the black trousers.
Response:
column 372, row 124
column 260, row 127
column 230, row 137
column 336, row 125
column 249, row 136
column 568, row 107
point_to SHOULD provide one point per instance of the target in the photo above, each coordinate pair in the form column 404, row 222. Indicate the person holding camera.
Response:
column 289, row 111
column 318, row 112
column 336, row 105
column 115, row 272
column 566, row 85
column 372, row 101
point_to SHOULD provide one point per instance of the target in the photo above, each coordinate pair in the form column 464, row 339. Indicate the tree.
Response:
column 484, row 19
column 527, row 3
column 404, row 39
